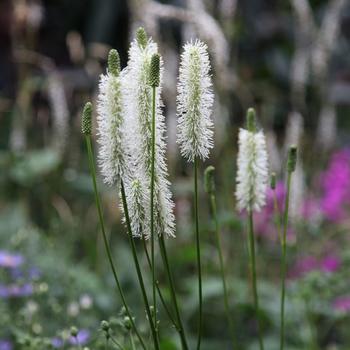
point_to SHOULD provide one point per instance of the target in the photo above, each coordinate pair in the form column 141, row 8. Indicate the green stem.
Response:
column 200, row 319
column 222, row 268
column 105, row 240
column 137, row 265
column 158, row 289
column 253, row 272
column 277, row 216
column 116, row 343
column 173, row 291
column 152, row 203
column 132, row 341
column 284, row 255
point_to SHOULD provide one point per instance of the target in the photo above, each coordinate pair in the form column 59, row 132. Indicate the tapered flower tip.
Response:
column 141, row 37
column 86, row 119
column 273, row 181
column 292, row 158
column 251, row 120
column 73, row 331
column 209, row 181
column 114, row 62
column 154, row 70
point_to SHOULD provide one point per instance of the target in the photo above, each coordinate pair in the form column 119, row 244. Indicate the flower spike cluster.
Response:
column 252, row 163
column 138, row 104
column 194, row 102
column 110, row 120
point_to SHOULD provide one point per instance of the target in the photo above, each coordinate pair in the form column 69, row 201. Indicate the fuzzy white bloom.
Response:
column 194, row 102
column 138, row 104
column 252, row 172
column 110, row 119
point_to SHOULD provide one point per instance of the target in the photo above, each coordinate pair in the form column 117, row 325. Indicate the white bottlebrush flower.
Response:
column 194, row 102
column 138, row 104
column 252, row 170
column 110, row 119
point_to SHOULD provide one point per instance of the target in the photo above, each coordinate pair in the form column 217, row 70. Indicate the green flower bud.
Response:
column 105, row 326
column 251, row 120
column 273, row 181
column 292, row 158
column 74, row 331
column 86, row 119
column 154, row 71
column 127, row 322
column 114, row 62
column 141, row 37
column 209, row 180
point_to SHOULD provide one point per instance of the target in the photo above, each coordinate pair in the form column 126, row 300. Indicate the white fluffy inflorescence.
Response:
column 252, row 174
column 194, row 102
column 138, row 104
column 110, row 120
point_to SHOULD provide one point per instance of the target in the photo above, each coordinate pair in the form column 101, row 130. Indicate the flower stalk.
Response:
column 209, row 183
column 291, row 164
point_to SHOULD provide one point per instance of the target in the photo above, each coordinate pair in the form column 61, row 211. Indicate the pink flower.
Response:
column 342, row 304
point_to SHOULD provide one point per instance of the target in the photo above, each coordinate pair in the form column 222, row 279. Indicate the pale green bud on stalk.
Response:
column 86, row 119
column 154, row 71
column 292, row 158
column 74, row 331
column 209, row 181
column 114, row 62
column 273, row 181
column 251, row 120
column 141, row 37
column 105, row 326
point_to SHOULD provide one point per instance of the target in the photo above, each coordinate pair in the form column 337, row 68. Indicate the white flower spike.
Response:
column 252, row 167
column 194, row 102
column 112, row 152
column 138, row 104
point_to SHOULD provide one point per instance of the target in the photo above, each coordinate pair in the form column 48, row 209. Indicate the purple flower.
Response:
column 57, row 342
column 330, row 263
column 342, row 304
column 335, row 183
column 5, row 345
column 10, row 260
column 81, row 339
column 16, row 290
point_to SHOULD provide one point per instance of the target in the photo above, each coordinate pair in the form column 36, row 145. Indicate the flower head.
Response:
column 252, row 163
column 194, row 102
column 138, row 102
column 110, row 119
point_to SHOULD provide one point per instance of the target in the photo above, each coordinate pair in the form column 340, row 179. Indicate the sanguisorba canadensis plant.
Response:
column 195, row 127
column 252, row 181
column 114, row 153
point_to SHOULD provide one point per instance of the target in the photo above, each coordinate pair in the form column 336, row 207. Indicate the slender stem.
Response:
column 222, row 268
column 116, row 343
column 132, row 341
column 105, row 240
column 152, row 204
column 181, row 329
column 284, row 256
column 277, row 216
column 200, row 319
column 138, row 269
column 253, row 272
column 158, row 289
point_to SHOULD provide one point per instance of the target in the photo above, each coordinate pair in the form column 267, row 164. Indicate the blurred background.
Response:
column 288, row 59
